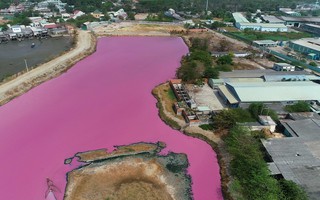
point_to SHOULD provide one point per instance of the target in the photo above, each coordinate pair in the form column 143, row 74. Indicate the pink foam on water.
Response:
column 104, row 100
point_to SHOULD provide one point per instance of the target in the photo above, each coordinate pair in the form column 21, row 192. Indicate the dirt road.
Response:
column 85, row 46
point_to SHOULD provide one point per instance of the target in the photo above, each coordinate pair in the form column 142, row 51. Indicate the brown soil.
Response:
column 130, row 178
column 133, row 28
column 243, row 64
column 121, row 150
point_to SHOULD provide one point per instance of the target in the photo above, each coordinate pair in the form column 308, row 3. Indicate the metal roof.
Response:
column 286, row 77
column 275, row 91
column 263, row 25
column 300, row 19
column 256, row 73
column 312, row 25
column 272, row 19
column 311, row 43
column 298, row 158
column 264, row 42
column 227, row 94
column 238, row 17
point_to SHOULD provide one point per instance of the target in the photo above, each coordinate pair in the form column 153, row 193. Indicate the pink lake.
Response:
column 104, row 100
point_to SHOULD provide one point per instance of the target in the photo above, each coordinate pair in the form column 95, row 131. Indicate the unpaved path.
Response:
column 85, row 46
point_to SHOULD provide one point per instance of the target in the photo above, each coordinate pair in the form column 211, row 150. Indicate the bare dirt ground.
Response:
column 85, row 46
column 205, row 96
column 131, row 178
column 130, row 28
column 244, row 64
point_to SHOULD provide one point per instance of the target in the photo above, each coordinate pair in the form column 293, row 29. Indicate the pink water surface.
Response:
column 104, row 100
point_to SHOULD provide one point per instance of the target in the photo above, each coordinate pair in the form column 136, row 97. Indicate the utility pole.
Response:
column 25, row 62
column 207, row 7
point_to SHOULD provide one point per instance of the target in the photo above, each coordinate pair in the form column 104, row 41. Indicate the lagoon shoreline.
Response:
column 86, row 45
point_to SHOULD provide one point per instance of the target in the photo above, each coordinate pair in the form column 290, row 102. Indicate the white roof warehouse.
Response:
column 284, row 92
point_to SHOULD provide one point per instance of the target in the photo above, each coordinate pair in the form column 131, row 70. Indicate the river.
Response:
column 14, row 53
column 104, row 100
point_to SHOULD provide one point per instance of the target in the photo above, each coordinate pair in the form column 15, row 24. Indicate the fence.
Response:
column 293, row 60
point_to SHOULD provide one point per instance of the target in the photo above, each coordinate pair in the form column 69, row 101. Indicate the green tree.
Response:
column 300, row 106
column 257, row 109
column 188, row 72
column 313, row 64
column 291, row 191
column 225, row 60
column 210, row 72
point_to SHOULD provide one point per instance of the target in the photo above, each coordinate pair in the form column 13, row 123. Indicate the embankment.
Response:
column 210, row 138
column 85, row 45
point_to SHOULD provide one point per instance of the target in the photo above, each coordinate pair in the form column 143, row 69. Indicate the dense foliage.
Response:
column 300, row 106
column 252, row 177
column 257, row 109
column 82, row 19
column 250, row 35
column 199, row 63
column 229, row 118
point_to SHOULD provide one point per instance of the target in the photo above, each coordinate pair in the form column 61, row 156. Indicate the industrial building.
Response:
column 272, row 19
column 297, row 21
column 311, row 28
column 239, row 94
column 263, row 27
column 239, row 18
column 297, row 157
column 264, row 43
column 242, row 23
column 262, row 73
column 283, row 67
column 308, row 46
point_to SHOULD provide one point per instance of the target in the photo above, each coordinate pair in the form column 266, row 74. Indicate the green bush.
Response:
column 257, row 109
column 300, row 106
column 206, row 127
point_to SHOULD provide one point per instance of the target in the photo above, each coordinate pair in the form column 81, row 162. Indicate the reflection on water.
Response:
column 14, row 53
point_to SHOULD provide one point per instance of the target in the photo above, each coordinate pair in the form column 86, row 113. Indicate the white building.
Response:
column 77, row 13
column 264, row 27
column 283, row 67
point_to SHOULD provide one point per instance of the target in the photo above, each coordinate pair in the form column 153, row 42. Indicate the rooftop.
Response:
column 228, row 94
column 259, row 42
column 288, row 77
column 263, row 25
column 272, row 19
column 275, row 91
column 301, row 19
column 311, row 43
column 298, row 158
column 257, row 73
column 238, row 17
column 312, row 25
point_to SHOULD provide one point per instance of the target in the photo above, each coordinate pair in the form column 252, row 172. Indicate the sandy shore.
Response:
column 85, row 45
column 137, row 29
column 136, row 176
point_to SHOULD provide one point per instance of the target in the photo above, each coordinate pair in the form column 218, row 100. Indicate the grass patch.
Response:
column 276, row 36
column 162, row 91
column 206, row 127
column 251, row 173
column 171, row 95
